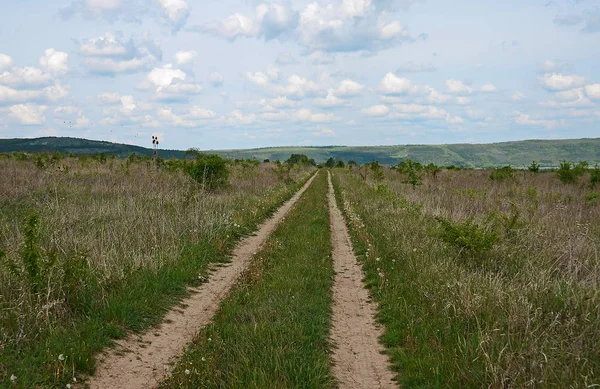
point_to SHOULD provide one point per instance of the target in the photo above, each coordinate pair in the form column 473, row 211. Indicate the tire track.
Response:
column 358, row 357
column 143, row 363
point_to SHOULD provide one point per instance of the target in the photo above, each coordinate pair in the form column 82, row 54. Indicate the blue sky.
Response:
column 239, row 74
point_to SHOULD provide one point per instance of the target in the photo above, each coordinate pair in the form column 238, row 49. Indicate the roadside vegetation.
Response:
column 92, row 247
column 272, row 330
column 484, row 278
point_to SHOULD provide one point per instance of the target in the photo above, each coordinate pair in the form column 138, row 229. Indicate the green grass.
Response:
column 272, row 330
column 106, row 312
column 453, row 325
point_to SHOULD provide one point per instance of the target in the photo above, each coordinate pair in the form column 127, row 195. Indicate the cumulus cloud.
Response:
column 111, row 54
column 593, row 91
column 306, row 115
column 413, row 112
column 330, row 101
column 195, row 116
column 559, row 82
column 5, row 61
column 574, row 98
column 175, row 13
column 394, row 85
column 55, row 61
column 352, row 25
column 286, row 59
column 25, row 77
column 283, row 102
column 109, row 98
column 171, row 84
column 349, row 87
column 377, row 110
column 237, row 117
column 517, row 96
column 172, row 13
column 488, row 88
column 28, row 113
column 526, row 120
column 457, row 87
column 71, row 114
column 183, row 57
column 567, row 20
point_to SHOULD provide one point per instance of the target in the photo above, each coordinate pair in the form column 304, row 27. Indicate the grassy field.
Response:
column 91, row 250
column 271, row 332
column 481, row 283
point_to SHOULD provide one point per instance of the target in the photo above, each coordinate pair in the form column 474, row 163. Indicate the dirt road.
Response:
column 143, row 363
column 357, row 357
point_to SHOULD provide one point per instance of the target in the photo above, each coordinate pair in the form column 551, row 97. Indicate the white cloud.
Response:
column 10, row 95
column 320, row 58
column 349, row 87
column 28, row 113
column 25, row 77
column 110, row 54
column 298, row 87
column 237, row 117
column 489, row 88
column 593, row 91
column 457, row 87
column 258, row 78
column 573, row 98
column 72, row 114
column 175, row 12
column 377, row 110
column 423, row 112
column 283, row 102
column 394, row 85
column 324, row 132
column 183, row 57
column 559, row 82
column 162, row 77
column 5, row 61
column 109, row 98
column 526, row 120
column 55, row 61
column 518, row 96
column 216, row 79
column 307, row 115
column 233, row 27
column 330, row 101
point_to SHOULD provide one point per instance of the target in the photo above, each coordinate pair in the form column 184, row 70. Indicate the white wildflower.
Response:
column 61, row 357
column 13, row 377
column 187, row 371
column 203, row 359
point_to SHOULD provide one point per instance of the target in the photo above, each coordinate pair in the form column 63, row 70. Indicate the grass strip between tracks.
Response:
column 272, row 330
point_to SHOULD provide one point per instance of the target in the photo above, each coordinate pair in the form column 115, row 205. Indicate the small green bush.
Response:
column 595, row 176
column 210, row 171
column 568, row 173
column 340, row 163
column 534, row 167
column 592, row 198
column 473, row 240
column 502, row 174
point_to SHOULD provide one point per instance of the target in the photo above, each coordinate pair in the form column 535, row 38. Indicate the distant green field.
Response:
column 520, row 153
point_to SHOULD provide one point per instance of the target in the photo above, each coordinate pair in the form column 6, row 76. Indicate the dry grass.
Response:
column 107, row 223
column 528, row 315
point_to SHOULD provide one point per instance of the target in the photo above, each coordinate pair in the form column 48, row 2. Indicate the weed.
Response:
column 568, row 173
column 210, row 171
column 502, row 174
column 474, row 241
column 534, row 167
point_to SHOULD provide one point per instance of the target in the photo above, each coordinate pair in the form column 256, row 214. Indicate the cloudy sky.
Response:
column 244, row 73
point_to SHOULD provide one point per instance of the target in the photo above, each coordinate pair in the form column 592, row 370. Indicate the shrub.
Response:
column 210, row 171
column 432, row 169
column 330, row 162
column 595, row 176
column 502, row 174
column 340, row 163
column 300, row 159
column 568, row 173
column 472, row 240
column 377, row 170
column 592, row 198
column 534, row 167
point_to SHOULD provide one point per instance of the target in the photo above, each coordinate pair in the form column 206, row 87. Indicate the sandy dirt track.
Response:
column 357, row 355
column 143, row 363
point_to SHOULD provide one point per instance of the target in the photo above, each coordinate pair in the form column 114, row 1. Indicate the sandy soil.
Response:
column 357, row 355
column 143, row 361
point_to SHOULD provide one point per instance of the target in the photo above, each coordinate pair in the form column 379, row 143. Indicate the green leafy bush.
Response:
column 568, row 173
column 595, row 176
column 474, row 241
column 534, row 167
column 210, row 171
column 502, row 174
column 592, row 198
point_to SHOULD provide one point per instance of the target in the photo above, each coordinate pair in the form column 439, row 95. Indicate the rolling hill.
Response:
column 519, row 153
